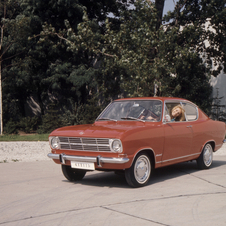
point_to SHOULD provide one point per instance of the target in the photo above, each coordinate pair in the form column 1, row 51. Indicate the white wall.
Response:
column 219, row 82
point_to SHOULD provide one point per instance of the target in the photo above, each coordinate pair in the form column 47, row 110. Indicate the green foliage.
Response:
column 208, row 21
column 30, row 137
column 125, row 54
column 49, row 123
column 10, row 127
column 51, row 120
column 75, row 59
column 28, row 124
column 92, row 110
column 137, row 56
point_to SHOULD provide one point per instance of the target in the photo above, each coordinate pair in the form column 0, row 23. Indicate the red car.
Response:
column 136, row 135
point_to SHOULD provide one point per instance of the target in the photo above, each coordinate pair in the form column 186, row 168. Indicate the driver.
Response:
column 148, row 115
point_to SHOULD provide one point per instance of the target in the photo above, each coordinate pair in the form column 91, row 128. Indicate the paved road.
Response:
column 36, row 193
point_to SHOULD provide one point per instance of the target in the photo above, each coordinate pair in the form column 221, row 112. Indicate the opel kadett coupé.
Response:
column 135, row 136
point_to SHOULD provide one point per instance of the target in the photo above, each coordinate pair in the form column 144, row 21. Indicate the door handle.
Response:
column 189, row 126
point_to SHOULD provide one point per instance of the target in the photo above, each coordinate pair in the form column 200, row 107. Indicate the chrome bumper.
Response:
column 98, row 159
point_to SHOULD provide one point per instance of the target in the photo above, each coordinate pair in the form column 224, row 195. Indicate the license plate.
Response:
column 83, row 165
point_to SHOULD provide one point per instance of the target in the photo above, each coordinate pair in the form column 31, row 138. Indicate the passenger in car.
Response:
column 177, row 114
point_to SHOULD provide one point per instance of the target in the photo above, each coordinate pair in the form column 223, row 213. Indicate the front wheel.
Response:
column 139, row 173
column 205, row 160
column 72, row 174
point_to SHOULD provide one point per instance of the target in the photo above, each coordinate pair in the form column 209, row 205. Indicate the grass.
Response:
column 29, row 137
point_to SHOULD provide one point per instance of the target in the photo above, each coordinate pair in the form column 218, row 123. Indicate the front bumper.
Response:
column 99, row 160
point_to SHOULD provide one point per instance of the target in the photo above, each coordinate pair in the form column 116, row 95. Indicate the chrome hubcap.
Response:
column 208, row 155
column 142, row 169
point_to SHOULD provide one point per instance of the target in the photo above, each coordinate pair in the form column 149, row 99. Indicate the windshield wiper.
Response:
column 137, row 119
column 110, row 119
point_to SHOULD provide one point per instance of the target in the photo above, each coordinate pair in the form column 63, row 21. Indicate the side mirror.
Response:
column 167, row 118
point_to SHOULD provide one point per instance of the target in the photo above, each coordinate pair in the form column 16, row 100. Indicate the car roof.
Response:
column 154, row 98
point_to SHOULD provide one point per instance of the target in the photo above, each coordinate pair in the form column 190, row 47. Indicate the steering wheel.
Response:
column 141, row 114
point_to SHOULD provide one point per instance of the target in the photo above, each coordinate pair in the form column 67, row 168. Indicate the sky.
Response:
column 169, row 6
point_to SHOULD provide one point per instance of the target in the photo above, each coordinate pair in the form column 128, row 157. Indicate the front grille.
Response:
column 85, row 144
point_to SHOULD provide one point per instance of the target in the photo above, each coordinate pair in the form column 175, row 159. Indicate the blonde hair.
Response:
column 181, row 117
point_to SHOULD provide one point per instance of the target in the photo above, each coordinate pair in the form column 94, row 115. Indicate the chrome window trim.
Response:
column 103, row 111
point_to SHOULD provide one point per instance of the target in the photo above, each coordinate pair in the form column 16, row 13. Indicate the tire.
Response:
column 205, row 160
column 139, row 173
column 72, row 174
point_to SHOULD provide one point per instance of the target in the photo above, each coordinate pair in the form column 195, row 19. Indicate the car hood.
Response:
column 99, row 129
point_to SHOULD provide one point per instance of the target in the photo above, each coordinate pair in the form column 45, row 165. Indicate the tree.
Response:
column 13, row 32
column 124, row 54
column 45, row 69
column 82, row 54
column 201, row 30
column 51, row 72
column 208, row 20
column 139, row 53
column 159, row 5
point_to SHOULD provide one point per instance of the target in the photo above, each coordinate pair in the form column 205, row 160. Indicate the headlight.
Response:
column 116, row 145
column 54, row 142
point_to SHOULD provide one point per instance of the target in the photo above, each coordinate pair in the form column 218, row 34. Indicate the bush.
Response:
column 54, row 118
column 28, row 124
column 50, row 122
column 10, row 127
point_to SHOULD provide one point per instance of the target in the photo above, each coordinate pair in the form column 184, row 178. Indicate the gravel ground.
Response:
column 37, row 151
column 24, row 151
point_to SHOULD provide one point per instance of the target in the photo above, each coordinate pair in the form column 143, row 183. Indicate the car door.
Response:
column 177, row 137
column 195, row 126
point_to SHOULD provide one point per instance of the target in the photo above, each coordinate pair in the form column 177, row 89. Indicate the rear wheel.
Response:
column 72, row 174
column 205, row 160
column 139, row 173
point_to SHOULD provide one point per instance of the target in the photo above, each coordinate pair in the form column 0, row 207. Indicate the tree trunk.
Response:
column 159, row 5
column 1, row 121
column 1, row 45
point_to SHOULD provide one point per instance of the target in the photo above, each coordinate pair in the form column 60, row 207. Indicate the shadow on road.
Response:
column 103, row 179
column 110, row 179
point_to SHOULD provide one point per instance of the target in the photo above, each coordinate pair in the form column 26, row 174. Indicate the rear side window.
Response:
column 191, row 112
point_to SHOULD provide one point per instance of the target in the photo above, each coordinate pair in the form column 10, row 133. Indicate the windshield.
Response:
column 142, row 110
